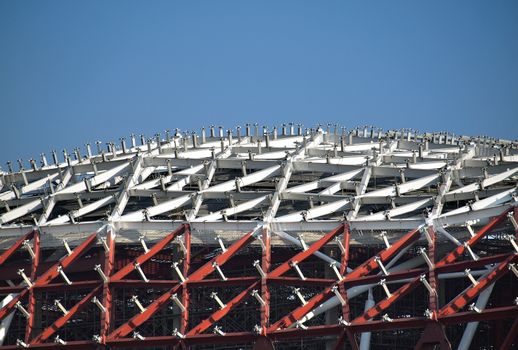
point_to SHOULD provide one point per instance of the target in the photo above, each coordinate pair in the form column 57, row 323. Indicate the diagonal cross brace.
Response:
column 220, row 313
column 7, row 254
column 301, row 256
column 60, row 322
column 51, row 273
column 471, row 292
column 126, row 270
column 360, row 271
column 472, row 241
column 197, row 275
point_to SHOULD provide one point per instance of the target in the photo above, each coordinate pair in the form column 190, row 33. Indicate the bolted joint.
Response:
column 335, row 290
column 101, row 273
column 63, row 275
column 21, row 344
column 428, row 314
column 60, row 306
column 215, row 265
column 335, row 269
column 176, row 267
column 473, row 307
column 383, row 284
column 20, row 308
column 217, row 330
column 25, row 278
column 178, row 302
column 257, row 265
column 137, row 267
column 137, row 335
column 256, row 295
column 214, row 295
column 177, row 334
column 60, row 341
column 143, row 243
column 378, row 261
column 298, row 270
column 29, row 248
column 96, row 338
column 98, row 303
column 258, row 329
column 67, row 247
column 513, row 268
column 383, row 235
column 220, row 242
column 386, row 318
column 299, row 295
column 472, row 279
column 512, row 240
column 343, row 322
column 137, row 302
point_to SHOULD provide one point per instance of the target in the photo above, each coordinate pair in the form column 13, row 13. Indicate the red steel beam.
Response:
column 32, row 298
column 7, row 254
column 360, row 271
column 266, row 259
column 387, row 302
column 304, row 254
column 472, row 241
column 219, row 314
column 186, row 269
column 50, row 274
column 163, row 300
column 462, row 299
column 109, row 263
column 207, row 269
column 66, row 261
column 126, row 270
column 60, row 322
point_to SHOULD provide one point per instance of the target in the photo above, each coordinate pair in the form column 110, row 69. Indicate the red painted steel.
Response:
column 141, row 259
column 9, row 252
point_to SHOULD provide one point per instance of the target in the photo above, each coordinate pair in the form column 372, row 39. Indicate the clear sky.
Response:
column 73, row 72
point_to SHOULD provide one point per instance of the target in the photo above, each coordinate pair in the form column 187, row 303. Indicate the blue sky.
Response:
column 74, row 72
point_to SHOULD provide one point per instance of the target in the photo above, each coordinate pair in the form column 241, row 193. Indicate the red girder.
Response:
column 163, row 300
column 472, row 241
column 126, row 270
column 219, row 314
column 66, row 261
column 387, row 302
column 60, row 322
column 462, row 299
column 304, row 254
column 360, row 271
column 32, row 298
column 7, row 254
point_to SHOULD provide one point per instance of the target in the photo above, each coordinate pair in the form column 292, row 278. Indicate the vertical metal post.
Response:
column 185, row 290
column 265, row 291
column 109, row 262
column 32, row 297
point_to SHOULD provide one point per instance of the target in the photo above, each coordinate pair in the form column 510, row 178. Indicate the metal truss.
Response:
column 184, row 241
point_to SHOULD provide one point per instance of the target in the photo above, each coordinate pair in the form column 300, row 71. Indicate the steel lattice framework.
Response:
column 266, row 238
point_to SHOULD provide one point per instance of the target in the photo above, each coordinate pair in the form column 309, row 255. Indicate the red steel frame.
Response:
column 367, row 273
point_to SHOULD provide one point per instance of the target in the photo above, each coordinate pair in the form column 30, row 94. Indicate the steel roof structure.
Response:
column 158, row 243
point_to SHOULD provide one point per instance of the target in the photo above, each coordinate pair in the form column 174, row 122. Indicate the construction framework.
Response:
column 285, row 238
